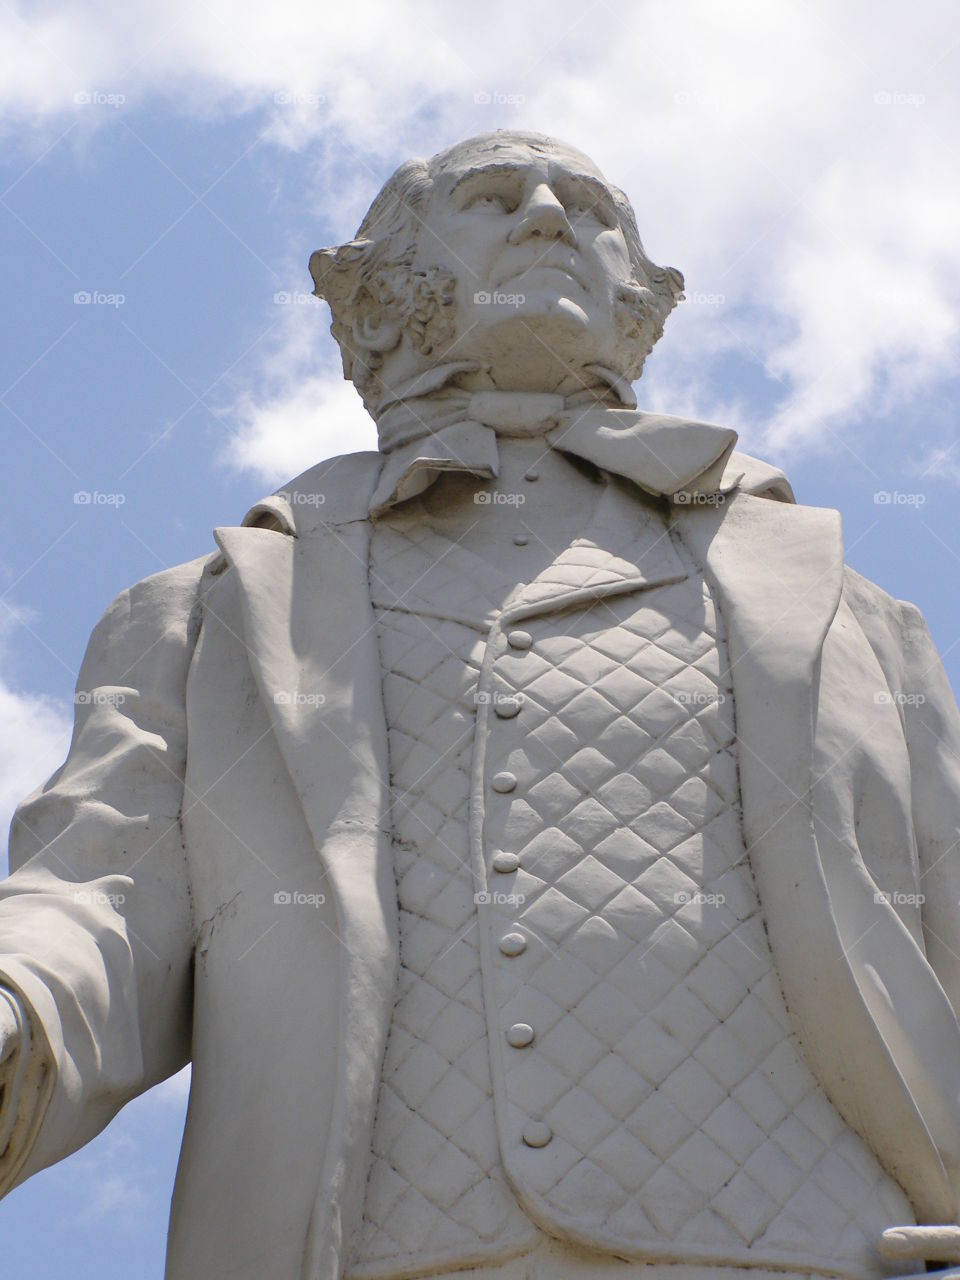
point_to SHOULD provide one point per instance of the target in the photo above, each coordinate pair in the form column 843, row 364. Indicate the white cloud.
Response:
column 299, row 412
column 794, row 158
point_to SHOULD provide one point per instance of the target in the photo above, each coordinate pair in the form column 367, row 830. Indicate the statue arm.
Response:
column 932, row 727
column 96, row 936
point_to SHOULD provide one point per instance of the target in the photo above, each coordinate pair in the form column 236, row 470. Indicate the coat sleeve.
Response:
column 932, row 727
column 96, row 937
column 918, row 683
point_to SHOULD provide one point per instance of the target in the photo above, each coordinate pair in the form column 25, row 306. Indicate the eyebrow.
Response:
column 599, row 189
column 484, row 171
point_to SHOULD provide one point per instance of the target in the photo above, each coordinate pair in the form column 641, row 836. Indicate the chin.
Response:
column 539, row 343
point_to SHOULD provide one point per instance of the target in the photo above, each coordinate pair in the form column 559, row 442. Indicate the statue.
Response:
column 542, row 846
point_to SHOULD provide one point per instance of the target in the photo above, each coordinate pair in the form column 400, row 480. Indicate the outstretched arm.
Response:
column 96, row 938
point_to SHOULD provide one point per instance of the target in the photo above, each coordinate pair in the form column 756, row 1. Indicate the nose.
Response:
column 542, row 214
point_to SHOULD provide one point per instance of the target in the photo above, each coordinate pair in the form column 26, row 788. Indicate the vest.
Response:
column 589, row 1042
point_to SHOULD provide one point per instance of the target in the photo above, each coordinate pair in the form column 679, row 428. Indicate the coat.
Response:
column 229, row 759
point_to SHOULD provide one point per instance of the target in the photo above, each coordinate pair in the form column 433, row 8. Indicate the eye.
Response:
column 498, row 201
column 581, row 202
column 581, row 209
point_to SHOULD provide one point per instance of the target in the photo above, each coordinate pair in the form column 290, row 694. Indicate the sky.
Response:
column 166, row 171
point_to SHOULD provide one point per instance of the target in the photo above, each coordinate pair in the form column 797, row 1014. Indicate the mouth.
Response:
column 533, row 270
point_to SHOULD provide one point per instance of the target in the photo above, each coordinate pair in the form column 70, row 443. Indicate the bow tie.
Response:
column 445, row 429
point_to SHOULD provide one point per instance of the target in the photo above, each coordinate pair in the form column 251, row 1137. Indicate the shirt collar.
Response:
column 429, row 428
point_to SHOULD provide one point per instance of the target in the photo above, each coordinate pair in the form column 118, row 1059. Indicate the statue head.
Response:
column 508, row 250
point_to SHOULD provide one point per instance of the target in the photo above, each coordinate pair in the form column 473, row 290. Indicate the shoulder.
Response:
column 335, row 491
column 877, row 607
column 163, row 606
column 759, row 479
column 896, row 629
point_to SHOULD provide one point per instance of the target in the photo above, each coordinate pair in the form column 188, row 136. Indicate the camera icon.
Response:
column 282, row 898
column 483, row 899
column 482, row 298
column 482, row 498
column 82, row 298
column 481, row 99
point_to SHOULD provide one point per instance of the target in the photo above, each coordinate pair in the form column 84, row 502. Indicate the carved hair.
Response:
column 376, row 297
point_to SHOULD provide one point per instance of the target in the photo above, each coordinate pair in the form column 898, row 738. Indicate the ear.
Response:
column 376, row 332
column 337, row 273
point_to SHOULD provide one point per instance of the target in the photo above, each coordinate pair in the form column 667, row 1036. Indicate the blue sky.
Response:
column 799, row 165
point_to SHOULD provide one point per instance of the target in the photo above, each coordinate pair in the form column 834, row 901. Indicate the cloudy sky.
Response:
column 165, row 172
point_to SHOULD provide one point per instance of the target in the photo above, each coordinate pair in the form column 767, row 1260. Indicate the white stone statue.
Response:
column 544, row 849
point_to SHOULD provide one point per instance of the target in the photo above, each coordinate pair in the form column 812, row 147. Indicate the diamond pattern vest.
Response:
column 589, row 1038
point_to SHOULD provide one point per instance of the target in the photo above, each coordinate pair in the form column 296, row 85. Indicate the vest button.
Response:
column 504, row 782
column 520, row 1035
column 532, row 474
column 520, row 539
column 519, row 639
column 536, row 1133
column 506, row 707
column 513, row 944
column 505, row 862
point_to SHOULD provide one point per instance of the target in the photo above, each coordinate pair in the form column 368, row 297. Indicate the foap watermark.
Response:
column 94, row 498
column 694, row 498
column 296, row 898
column 97, row 298
column 699, row 697
column 698, row 898
column 497, row 898
column 294, row 298
column 894, row 498
column 497, row 298
column 294, row 698
column 298, row 498
column 97, row 898
column 900, row 899
column 898, row 98
column 706, row 299
column 497, row 98
column 97, row 98
column 498, row 699
column 494, row 498
column 291, row 98
column 694, row 98
column 893, row 697
column 99, row 698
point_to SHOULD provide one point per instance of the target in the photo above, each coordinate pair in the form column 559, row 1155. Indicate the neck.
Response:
column 438, row 397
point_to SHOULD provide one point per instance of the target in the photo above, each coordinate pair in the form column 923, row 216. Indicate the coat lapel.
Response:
column 778, row 573
column 312, row 647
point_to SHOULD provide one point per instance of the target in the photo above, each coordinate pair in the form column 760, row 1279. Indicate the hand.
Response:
column 10, row 1038
column 9, row 1035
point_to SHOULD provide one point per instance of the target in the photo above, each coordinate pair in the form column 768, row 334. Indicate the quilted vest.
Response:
column 589, row 1041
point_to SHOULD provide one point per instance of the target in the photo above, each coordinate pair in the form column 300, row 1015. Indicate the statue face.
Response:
column 532, row 237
